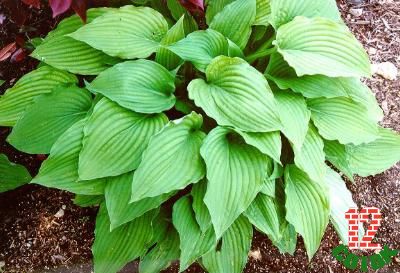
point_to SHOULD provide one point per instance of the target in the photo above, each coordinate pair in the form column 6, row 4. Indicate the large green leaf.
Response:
column 129, row 32
column 283, row 11
column 193, row 242
column 307, row 207
column 235, row 173
column 12, row 175
column 66, row 53
column 176, row 153
column 165, row 56
column 237, row 95
column 85, row 201
column 235, row 21
column 161, row 256
column 263, row 214
column 343, row 119
column 311, row 157
column 263, row 12
column 47, row 119
column 113, row 132
column 118, row 194
column 113, row 249
column 214, row 7
column 377, row 156
column 269, row 143
column 294, row 115
column 321, row 46
column 202, row 214
column 200, row 47
column 60, row 170
column 235, row 246
column 142, row 86
column 341, row 200
column 40, row 81
column 336, row 154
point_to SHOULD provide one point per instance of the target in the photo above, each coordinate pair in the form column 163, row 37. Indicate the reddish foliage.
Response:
column 193, row 6
column 59, row 6
column 80, row 7
column 18, row 56
column 7, row 51
column 33, row 3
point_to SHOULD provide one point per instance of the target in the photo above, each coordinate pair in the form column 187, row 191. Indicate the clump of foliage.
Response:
column 187, row 137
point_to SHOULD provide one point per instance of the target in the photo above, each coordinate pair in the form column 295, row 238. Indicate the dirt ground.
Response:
column 33, row 239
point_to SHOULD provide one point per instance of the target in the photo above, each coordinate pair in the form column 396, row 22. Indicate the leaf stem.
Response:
column 260, row 53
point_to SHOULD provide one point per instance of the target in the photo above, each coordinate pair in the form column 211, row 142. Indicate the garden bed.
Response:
column 42, row 231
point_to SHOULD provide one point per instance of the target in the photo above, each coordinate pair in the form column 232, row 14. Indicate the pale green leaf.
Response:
column 118, row 194
column 343, row 119
column 40, row 81
column 336, row 154
column 341, row 201
column 235, row 247
column 60, row 170
column 113, row 132
column 269, row 143
column 236, row 95
column 310, row 158
column 200, row 47
column 268, row 187
column 166, row 57
column 284, row 11
column 176, row 153
column 129, row 32
column 235, row 21
column 161, row 256
column 263, row 12
column 142, row 86
column 377, row 156
column 263, row 214
column 235, row 173
column 321, row 46
column 48, row 118
column 307, row 207
column 202, row 214
column 112, row 250
column 294, row 115
column 193, row 242
column 214, row 7
column 12, row 175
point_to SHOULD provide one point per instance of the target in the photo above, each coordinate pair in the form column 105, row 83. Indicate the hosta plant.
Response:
column 189, row 133
column 12, row 175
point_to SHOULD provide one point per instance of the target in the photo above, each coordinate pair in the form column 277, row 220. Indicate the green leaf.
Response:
column 40, row 81
column 214, row 7
column 343, row 119
column 283, row 11
column 235, row 21
column 307, row 207
column 263, row 12
column 166, row 57
column 236, row 95
column 65, row 53
column 202, row 214
column 200, row 47
column 321, row 46
column 48, row 118
column 88, row 200
column 179, row 141
column 336, row 154
column 176, row 9
column 60, row 170
column 269, row 187
column 129, row 32
column 294, row 115
column 263, row 214
column 2, row 82
column 341, row 200
column 161, row 256
column 118, row 194
column 269, row 143
column 12, row 175
column 193, row 242
column 142, row 86
column 310, row 158
column 377, row 156
column 235, row 173
column 235, row 247
column 112, row 250
column 113, row 132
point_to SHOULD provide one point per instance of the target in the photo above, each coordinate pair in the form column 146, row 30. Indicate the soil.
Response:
column 35, row 239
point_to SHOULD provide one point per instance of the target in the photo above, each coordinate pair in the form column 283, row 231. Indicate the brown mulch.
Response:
column 33, row 239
